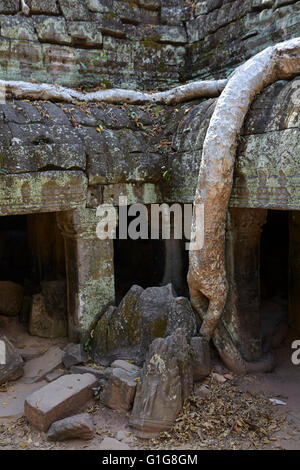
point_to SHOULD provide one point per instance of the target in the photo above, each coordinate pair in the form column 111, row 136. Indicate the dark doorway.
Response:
column 274, row 278
column 32, row 263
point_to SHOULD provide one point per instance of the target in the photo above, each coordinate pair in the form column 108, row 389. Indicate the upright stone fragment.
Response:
column 158, row 399
column 11, row 363
column 182, row 353
column 58, row 399
column 201, row 362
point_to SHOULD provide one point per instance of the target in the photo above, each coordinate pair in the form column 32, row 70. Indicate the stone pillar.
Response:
column 294, row 269
column 242, row 311
column 174, row 265
column 90, row 270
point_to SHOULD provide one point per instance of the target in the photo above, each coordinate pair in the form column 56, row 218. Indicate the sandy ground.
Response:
column 282, row 383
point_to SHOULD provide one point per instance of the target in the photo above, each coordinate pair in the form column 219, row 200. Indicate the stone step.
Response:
column 58, row 399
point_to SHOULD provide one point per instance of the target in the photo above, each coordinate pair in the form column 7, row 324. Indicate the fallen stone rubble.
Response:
column 153, row 394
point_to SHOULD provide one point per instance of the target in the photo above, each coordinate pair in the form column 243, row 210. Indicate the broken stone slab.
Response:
column 127, row 331
column 74, row 354
column 58, row 399
column 74, row 427
column 37, row 369
column 158, row 399
column 11, row 363
column 119, row 390
column 201, row 361
column 127, row 366
column 98, row 373
column 109, row 443
column 11, row 298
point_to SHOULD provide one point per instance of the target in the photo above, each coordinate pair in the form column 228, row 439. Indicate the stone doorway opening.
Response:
column 275, row 278
column 150, row 262
column 33, row 274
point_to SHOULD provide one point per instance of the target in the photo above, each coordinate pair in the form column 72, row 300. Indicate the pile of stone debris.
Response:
column 143, row 360
column 143, row 356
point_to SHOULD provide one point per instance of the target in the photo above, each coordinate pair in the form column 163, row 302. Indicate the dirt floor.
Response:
column 226, row 412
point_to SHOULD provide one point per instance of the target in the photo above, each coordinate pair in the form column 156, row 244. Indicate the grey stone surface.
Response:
column 74, row 354
column 74, row 427
column 201, row 361
column 13, row 367
column 58, row 400
column 36, row 369
column 126, row 332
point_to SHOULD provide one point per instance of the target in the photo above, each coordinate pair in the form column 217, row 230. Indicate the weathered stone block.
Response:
column 74, row 354
column 52, row 30
column 100, row 6
column 58, row 399
column 74, row 10
column 151, row 4
column 119, row 390
column 75, row 427
column 170, row 34
column 9, row 6
column 44, row 7
column 84, row 33
column 51, row 191
column 18, row 28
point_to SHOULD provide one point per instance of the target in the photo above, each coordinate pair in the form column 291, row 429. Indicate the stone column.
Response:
column 242, row 311
column 90, row 270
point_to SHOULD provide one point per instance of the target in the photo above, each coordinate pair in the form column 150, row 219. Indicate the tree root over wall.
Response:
column 207, row 273
column 46, row 91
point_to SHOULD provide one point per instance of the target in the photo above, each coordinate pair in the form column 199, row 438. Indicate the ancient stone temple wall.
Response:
column 225, row 33
column 68, row 159
column 135, row 44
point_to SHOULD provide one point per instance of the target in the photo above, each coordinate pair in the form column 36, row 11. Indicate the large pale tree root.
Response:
column 207, row 273
column 46, row 91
